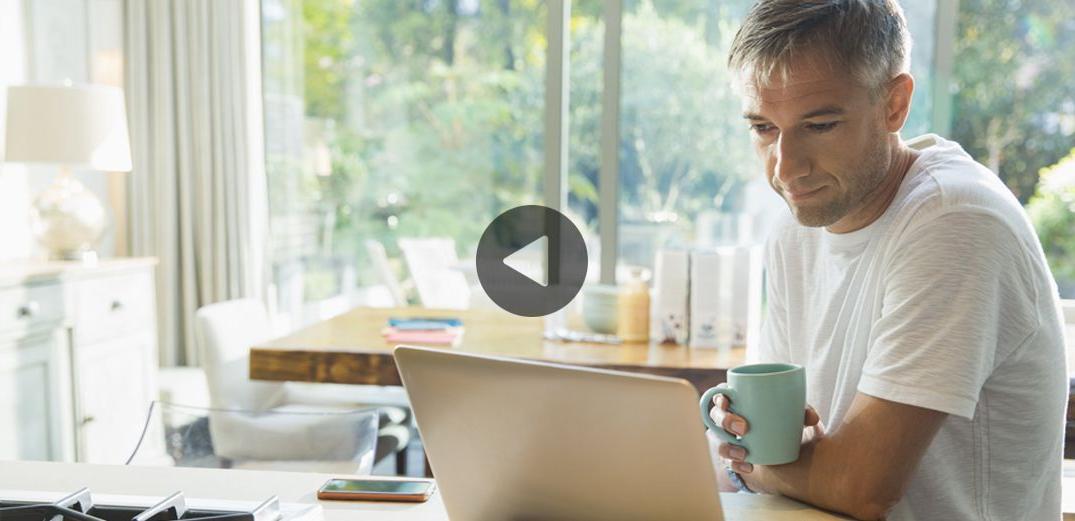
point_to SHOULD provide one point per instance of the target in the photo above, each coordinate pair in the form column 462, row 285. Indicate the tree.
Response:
column 1014, row 106
column 438, row 104
column 1052, row 209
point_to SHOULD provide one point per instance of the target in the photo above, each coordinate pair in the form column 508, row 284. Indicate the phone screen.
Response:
column 377, row 486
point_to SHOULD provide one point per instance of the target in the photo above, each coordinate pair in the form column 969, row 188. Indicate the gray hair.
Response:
column 866, row 38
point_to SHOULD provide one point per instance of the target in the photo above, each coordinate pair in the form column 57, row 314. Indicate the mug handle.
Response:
column 706, row 403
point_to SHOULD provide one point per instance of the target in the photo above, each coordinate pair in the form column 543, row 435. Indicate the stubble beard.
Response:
column 869, row 174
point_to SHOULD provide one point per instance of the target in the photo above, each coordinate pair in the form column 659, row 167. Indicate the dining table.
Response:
column 350, row 349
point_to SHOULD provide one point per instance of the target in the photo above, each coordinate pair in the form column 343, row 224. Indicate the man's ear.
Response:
column 898, row 102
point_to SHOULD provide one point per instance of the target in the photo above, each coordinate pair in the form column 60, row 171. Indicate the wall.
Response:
column 15, row 240
column 50, row 41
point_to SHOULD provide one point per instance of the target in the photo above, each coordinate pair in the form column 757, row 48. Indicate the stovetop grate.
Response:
column 79, row 506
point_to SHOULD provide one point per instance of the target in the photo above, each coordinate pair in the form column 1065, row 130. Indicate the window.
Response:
column 688, row 176
column 427, row 118
column 387, row 120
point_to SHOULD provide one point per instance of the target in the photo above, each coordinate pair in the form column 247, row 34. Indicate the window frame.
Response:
column 557, row 103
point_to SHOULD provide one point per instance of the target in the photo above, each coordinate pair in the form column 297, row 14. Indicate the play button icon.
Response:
column 531, row 260
column 523, row 261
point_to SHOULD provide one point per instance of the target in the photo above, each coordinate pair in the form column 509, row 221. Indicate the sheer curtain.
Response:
column 198, row 197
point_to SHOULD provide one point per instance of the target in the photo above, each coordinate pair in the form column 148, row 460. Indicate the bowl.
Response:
column 600, row 307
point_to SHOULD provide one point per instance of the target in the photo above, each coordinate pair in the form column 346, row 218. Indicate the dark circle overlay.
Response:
column 566, row 263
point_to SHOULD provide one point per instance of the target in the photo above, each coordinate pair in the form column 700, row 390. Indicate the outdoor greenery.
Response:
column 432, row 115
column 394, row 118
column 1053, row 211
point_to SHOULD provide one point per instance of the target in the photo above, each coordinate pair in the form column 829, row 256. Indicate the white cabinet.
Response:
column 78, row 359
column 34, row 398
column 115, row 388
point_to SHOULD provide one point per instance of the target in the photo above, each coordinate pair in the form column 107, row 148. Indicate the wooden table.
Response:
column 349, row 349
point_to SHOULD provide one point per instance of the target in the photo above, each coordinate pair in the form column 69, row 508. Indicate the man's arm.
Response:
column 863, row 467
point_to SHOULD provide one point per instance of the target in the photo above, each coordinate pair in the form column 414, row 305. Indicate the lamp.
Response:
column 84, row 127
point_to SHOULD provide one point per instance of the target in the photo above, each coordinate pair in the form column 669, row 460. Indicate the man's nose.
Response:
column 791, row 162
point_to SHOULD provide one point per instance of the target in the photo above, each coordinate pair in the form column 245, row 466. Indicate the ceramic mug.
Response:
column 600, row 308
column 772, row 398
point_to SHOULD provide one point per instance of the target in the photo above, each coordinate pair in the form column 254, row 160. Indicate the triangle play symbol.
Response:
column 523, row 260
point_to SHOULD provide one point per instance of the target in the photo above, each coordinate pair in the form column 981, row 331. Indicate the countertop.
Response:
column 296, row 487
column 30, row 271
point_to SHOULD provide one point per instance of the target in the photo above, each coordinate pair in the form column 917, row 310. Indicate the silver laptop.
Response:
column 518, row 440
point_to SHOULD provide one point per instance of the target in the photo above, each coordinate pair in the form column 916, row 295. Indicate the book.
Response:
column 424, row 323
column 430, row 331
column 444, row 337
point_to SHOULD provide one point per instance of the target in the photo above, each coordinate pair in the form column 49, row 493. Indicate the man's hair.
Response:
column 866, row 38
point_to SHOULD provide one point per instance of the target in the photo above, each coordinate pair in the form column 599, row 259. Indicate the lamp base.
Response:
column 68, row 219
column 83, row 256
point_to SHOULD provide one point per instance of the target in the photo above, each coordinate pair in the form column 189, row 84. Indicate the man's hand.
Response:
column 861, row 468
column 737, row 425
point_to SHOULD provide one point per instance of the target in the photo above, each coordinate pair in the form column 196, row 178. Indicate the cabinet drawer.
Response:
column 108, row 306
column 22, row 308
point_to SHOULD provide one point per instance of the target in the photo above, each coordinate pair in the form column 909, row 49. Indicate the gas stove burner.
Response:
column 79, row 506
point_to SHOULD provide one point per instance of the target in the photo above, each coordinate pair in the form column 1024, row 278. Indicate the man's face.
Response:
column 822, row 139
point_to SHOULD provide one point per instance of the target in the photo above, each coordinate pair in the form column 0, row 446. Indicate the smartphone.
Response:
column 416, row 490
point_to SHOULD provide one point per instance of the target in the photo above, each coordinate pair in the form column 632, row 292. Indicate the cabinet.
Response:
column 78, row 359
column 33, row 398
column 115, row 390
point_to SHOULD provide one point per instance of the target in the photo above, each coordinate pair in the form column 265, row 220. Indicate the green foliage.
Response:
column 433, row 112
column 683, row 144
column 1014, row 104
column 442, row 110
column 1052, row 209
column 683, row 148
column 326, row 55
column 433, row 116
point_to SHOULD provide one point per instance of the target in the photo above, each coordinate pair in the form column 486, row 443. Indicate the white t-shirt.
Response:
column 945, row 302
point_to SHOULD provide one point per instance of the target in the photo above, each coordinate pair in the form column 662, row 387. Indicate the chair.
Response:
column 433, row 264
column 379, row 260
column 226, row 330
column 187, row 436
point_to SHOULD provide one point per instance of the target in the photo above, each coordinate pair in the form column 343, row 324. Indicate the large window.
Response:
column 391, row 119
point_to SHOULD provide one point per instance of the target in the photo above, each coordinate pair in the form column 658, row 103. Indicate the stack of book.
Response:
column 424, row 331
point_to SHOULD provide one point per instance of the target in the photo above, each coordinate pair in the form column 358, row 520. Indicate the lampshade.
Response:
column 82, row 126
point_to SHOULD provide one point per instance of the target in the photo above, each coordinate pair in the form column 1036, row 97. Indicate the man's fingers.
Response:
column 732, row 452
column 721, row 402
column 729, row 421
column 742, row 467
column 811, row 417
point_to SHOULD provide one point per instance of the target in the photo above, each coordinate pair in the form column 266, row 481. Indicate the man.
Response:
column 912, row 287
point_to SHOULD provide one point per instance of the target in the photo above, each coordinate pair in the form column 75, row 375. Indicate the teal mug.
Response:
column 772, row 398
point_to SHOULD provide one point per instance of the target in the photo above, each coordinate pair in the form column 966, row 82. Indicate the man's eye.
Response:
column 822, row 127
column 761, row 128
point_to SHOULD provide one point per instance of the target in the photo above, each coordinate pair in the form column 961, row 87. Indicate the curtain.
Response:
column 198, row 197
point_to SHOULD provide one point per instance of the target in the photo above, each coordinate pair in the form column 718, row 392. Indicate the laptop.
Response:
column 520, row 440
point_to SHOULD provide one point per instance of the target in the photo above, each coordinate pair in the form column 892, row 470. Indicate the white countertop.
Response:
column 27, row 271
column 296, row 487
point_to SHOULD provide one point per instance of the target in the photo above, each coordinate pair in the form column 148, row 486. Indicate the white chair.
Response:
column 379, row 261
column 227, row 330
column 433, row 264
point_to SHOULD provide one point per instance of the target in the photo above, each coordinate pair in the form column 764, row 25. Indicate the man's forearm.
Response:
column 820, row 477
column 863, row 467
